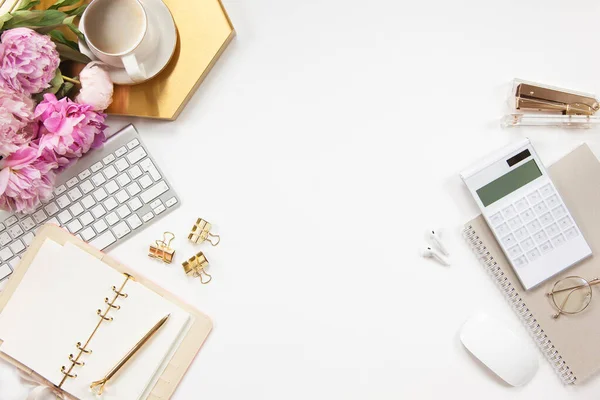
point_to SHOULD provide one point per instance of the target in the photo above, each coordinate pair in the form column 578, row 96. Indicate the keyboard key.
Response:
column 6, row 254
column 112, row 218
column 72, row 182
column 60, row 190
column 110, row 204
column 122, row 164
column 521, row 233
column 546, row 219
column 540, row 237
column 159, row 209
column 103, row 241
column 86, row 187
column 39, row 216
column 100, row 226
column 64, row 217
column 173, row 200
column 111, row 187
column 74, row 226
column 552, row 230
column 28, row 223
column 533, row 255
column 17, row 246
column 121, row 229
column 527, row 215
column 155, row 203
column 122, row 196
column 2, row 227
column 98, row 179
column 121, row 151
column 502, row 230
column 515, row 251
column 86, row 173
column 76, row 209
column 15, row 231
column 148, row 216
column 545, row 247
column 98, row 211
column 123, row 179
column 63, row 201
column 565, row 222
column 154, row 173
column 571, row 233
column 100, row 194
column 96, row 167
column 86, row 218
column 136, row 155
column 522, row 205
column 14, row 263
column 88, row 202
column 559, row 211
column 558, row 240
column 514, row 223
column 155, row 191
column 5, row 271
column 108, row 159
column 135, row 204
column 87, row 233
column 146, row 182
column 133, row 189
column 547, row 190
column 552, row 201
column 520, row 261
column 123, row 211
column 134, row 221
column 133, row 144
column 540, row 208
column 528, row 244
column 534, row 226
column 110, row 172
column 10, row 220
column 534, row 197
column 53, row 221
column 135, row 172
column 5, row 239
column 507, row 240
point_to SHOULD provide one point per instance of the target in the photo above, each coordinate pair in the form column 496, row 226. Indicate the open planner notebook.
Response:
column 53, row 324
column 570, row 342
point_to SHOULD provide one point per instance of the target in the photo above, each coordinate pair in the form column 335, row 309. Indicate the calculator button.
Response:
column 522, row 205
column 509, row 212
column 534, row 197
column 571, row 233
column 552, row 201
column 565, row 222
column 552, row 230
column 559, row 212
column 528, row 244
column 496, row 219
column 502, row 230
column 522, row 233
column 540, row 237
column 534, row 254
column 515, row 223
column 547, row 190
column 527, row 215
column 546, row 219
column 540, row 208
column 545, row 247
column 509, row 240
column 515, row 251
column 520, row 262
column 534, row 226
column 558, row 240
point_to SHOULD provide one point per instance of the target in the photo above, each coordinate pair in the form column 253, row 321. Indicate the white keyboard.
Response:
column 104, row 198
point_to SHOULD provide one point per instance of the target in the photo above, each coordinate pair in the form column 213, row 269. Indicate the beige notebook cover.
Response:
column 570, row 342
column 184, row 354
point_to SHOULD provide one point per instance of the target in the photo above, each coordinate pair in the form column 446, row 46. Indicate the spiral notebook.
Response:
column 69, row 317
column 570, row 343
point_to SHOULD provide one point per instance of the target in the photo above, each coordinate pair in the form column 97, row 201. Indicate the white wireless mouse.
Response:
column 500, row 349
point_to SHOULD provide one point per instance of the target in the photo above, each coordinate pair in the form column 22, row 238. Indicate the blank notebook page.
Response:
column 54, row 307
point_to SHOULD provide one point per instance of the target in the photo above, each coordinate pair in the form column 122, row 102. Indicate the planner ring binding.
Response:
column 82, row 348
column 519, row 306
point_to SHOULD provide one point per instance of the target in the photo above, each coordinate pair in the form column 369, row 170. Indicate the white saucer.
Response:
column 160, row 16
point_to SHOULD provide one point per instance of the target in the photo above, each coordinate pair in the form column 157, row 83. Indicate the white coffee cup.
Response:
column 120, row 33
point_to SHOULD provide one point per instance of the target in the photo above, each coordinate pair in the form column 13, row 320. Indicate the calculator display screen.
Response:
column 509, row 182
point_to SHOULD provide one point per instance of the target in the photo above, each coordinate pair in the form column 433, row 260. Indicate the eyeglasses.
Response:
column 572, row 295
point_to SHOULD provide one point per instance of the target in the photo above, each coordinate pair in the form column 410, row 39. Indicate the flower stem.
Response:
column 72, row 80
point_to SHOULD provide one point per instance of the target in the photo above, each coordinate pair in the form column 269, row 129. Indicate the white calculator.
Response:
column 525, row 212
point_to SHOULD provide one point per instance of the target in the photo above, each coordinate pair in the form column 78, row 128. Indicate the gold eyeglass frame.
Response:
column 561, row 308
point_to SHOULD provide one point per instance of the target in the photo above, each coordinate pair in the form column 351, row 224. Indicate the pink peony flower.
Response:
column 96, row 87
column 25, row 180
column 16, row 111
column 68, row 129
column 28, row 60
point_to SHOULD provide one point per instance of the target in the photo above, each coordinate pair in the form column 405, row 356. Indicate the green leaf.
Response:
column 28, row 4
column 63, row 3
column 4, row 18
column 77, row 11
column 55, row 83
column 67, row 53
column 59, row 37
column 64, row 90
column 76, row 31
column 35, row 19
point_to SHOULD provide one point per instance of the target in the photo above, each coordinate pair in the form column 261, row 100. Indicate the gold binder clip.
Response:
column 162, row 248
column 535, row 97
column 196, row 267
column 201, row 232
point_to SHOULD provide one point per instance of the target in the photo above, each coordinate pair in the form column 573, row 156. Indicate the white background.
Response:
column 326, row 140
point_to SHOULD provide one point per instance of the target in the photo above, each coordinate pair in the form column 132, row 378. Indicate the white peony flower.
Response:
column 96, row 87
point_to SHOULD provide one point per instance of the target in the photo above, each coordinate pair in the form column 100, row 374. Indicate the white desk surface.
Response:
column 324, row 143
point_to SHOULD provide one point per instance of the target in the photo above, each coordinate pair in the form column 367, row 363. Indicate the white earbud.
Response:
column 435, row 237
column 431, row 253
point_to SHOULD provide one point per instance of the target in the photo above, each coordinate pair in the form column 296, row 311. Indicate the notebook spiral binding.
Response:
column 519, row 306
column 82, row 349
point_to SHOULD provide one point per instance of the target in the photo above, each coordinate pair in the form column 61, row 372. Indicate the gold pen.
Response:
column 98, row 386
